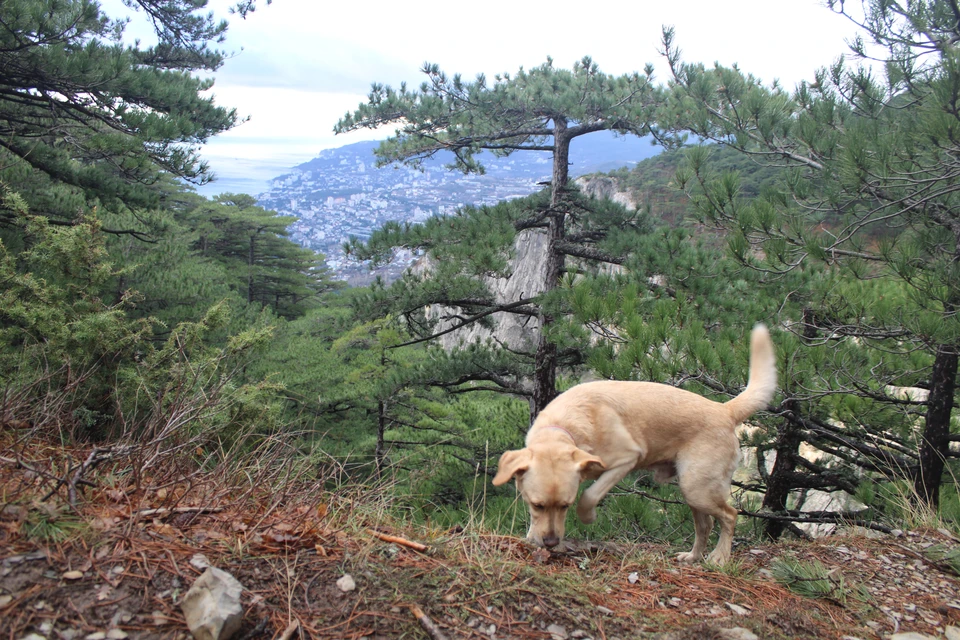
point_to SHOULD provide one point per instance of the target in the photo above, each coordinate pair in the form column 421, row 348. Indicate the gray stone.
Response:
column 737, row 633
column 212, row 605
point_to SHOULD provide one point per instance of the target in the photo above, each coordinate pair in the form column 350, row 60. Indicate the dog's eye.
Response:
column 538, row 507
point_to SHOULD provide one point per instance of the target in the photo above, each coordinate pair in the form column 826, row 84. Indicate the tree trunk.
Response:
column 936, row 433
column 779, row 483
column 380, row 453
column 250, row 271
column 545, row 360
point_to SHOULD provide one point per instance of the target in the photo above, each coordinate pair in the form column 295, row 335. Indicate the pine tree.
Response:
column 543, row 109
column 261, row 263
column 86, row 119
column 870, row 192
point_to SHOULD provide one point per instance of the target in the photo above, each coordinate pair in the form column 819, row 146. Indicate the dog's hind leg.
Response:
column 703, row 525
column 707, row 495
column 728, row 521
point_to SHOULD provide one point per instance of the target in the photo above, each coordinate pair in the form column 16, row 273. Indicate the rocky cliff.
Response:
column 527, row 278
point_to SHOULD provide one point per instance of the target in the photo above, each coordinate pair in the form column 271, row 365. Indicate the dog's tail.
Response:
column 763, row 377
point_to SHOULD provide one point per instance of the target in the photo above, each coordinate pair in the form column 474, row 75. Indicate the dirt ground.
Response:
column 118, row 563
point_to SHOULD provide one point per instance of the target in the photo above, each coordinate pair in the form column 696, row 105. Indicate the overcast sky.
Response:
column 299, row 65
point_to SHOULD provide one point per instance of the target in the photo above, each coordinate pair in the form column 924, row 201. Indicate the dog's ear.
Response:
column 512, row 463
column 589, row 464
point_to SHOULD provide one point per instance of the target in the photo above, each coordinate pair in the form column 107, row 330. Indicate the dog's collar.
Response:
column 553, row 426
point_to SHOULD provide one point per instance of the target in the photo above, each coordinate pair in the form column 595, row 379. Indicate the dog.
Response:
column 604, row 430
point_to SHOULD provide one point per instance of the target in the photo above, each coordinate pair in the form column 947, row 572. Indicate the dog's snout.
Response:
column 550, row 541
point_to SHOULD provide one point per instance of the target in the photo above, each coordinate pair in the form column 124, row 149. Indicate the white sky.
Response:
column 299, row 65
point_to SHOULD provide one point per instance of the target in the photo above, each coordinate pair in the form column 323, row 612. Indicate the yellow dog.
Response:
column 604, row 430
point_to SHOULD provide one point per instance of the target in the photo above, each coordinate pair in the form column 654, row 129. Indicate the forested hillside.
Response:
column 177, row 376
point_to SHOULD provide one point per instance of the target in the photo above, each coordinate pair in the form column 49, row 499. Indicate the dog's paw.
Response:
column 689, row 557
column 587, row 514
column 718, row 558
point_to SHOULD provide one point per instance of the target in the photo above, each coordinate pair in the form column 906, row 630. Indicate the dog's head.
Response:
column 548, row 476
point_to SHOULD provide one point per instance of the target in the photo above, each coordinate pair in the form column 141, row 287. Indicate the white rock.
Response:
column 607, row 612
column 199, row 561
column 212, row 605
column 97, row 635
column 737, row 609
column 557, row 632
column 117, row 634
column 633, row 577
column 33, row 636
column 346, row 583
column 72, row 575
column 912, row 635
column 737, row 633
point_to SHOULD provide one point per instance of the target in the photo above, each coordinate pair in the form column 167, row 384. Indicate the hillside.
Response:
column 341, row 193
column 118, row 565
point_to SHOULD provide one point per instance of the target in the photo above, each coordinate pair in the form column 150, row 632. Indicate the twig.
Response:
column 257, row 630
column 428, row 625
column 97, row 456
column 417, row 546
column 291, row 629
column 161, row 511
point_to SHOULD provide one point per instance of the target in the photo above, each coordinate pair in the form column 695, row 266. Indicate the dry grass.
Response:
column 267, row 518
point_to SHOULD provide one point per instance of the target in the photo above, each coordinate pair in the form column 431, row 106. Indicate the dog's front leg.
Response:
column 587, row 507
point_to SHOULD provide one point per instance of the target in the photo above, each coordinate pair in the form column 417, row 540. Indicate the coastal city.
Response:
column 342, row 193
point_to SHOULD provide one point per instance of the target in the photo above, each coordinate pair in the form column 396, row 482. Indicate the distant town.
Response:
column 342, row 193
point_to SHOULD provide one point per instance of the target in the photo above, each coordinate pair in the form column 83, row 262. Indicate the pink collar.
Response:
column 553, row 426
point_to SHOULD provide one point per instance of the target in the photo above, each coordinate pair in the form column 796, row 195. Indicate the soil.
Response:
column 110, row 566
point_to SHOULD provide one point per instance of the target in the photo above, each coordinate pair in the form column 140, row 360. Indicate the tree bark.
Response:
column 779, row 483
column 545, row 359
column 935, row 441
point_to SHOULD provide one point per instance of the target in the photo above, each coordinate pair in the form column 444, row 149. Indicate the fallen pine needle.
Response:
column 417, row 546
column 427, row 623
